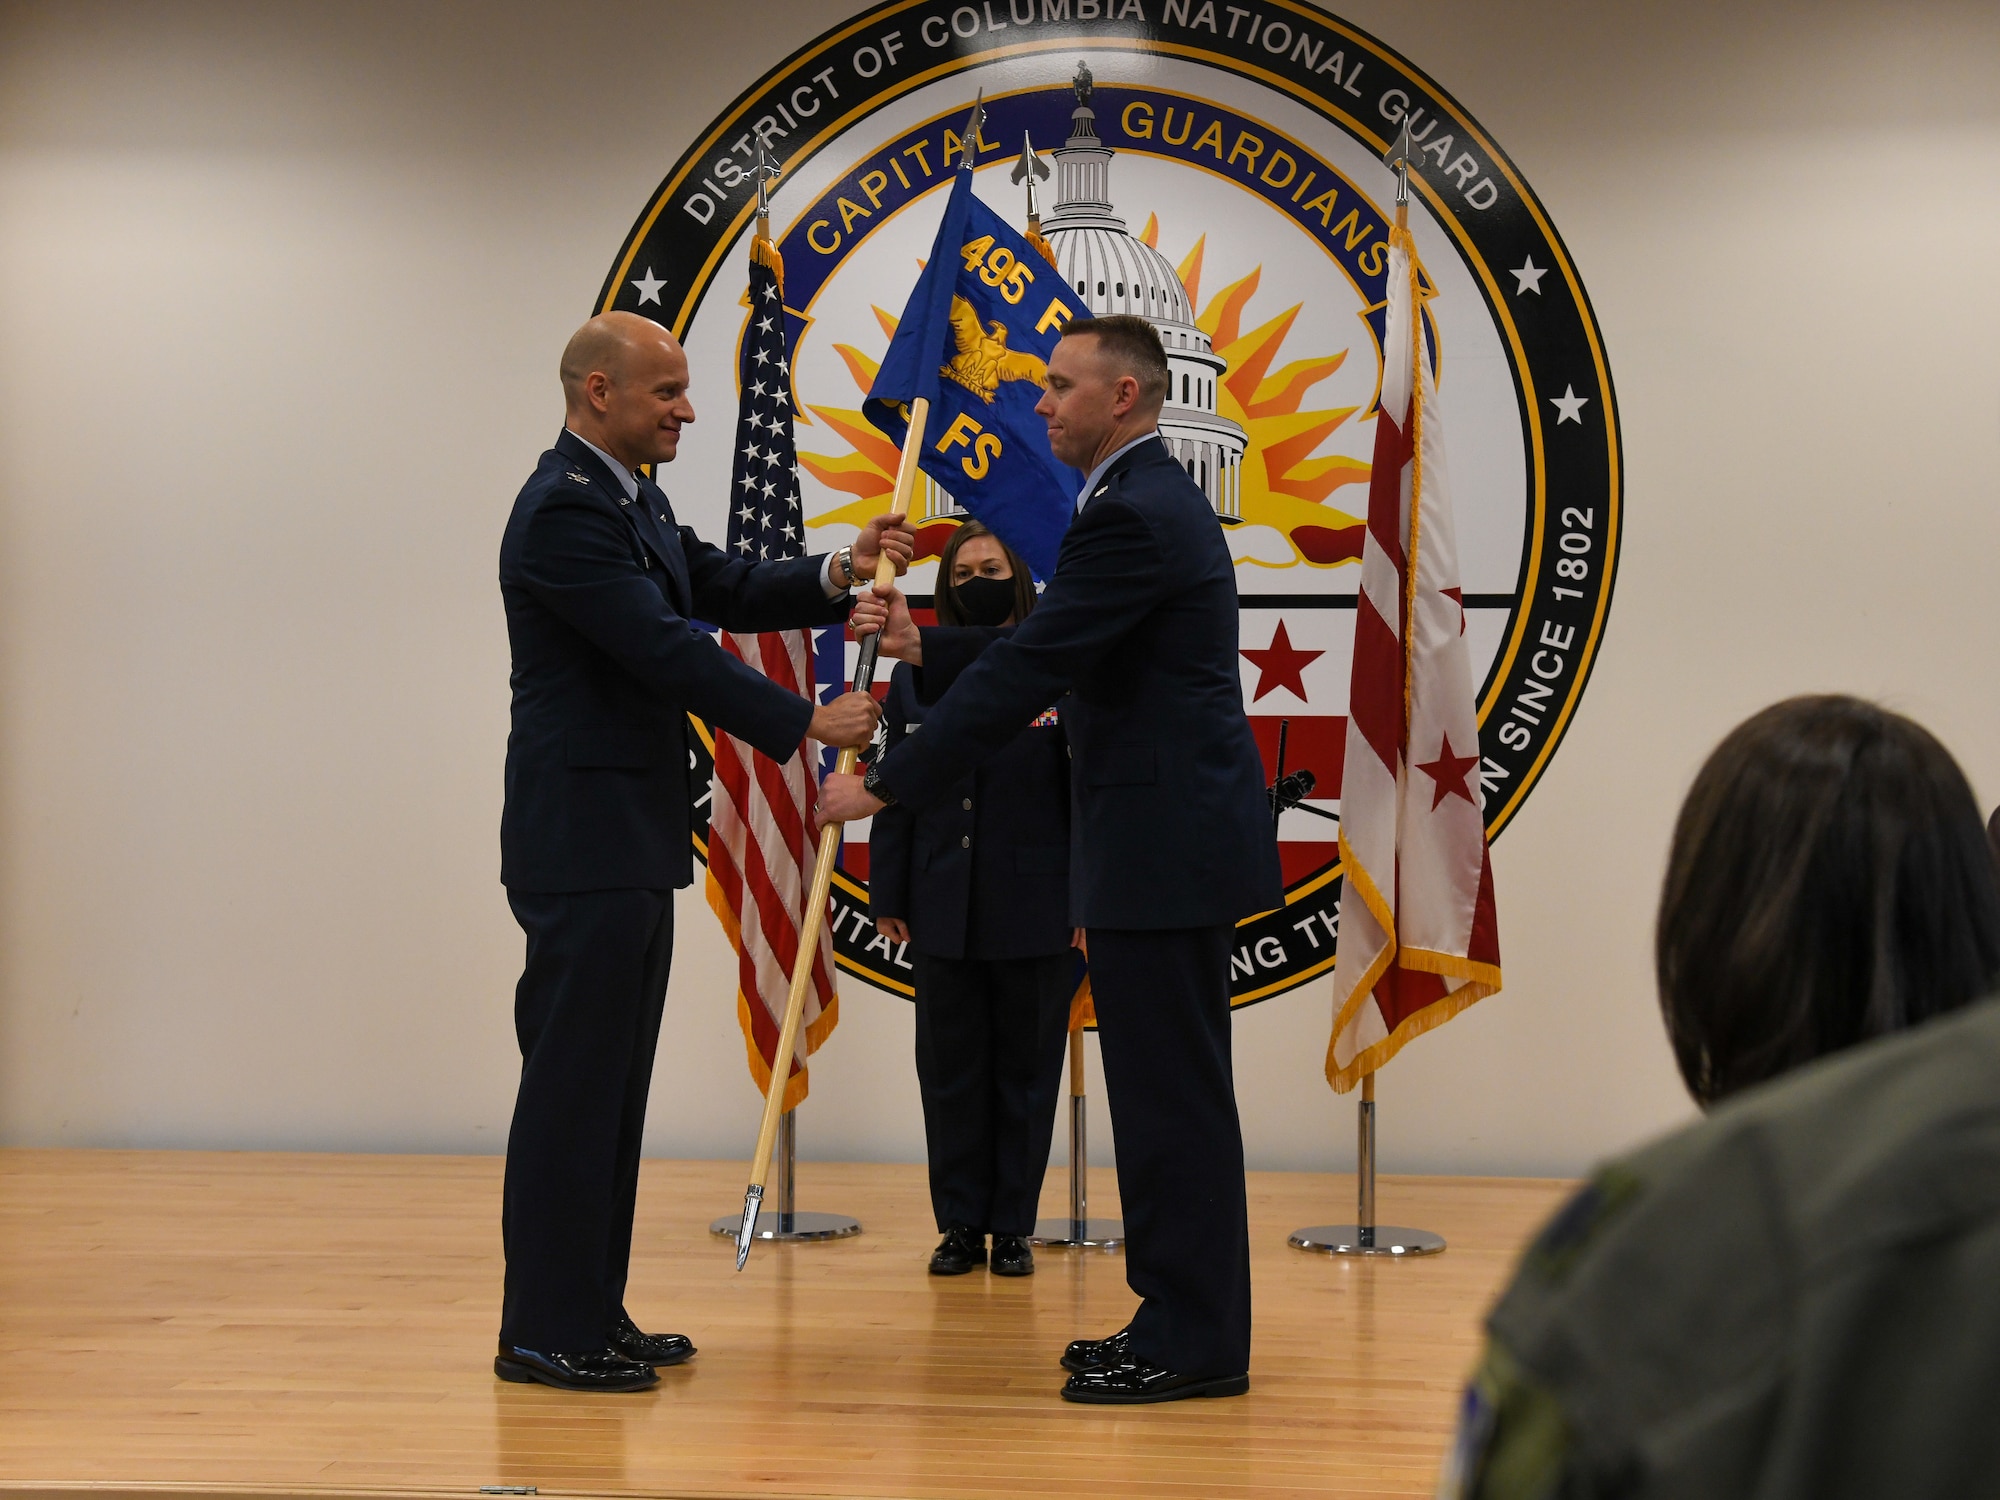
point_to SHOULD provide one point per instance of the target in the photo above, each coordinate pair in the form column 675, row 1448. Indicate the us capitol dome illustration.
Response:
column 1115, row 273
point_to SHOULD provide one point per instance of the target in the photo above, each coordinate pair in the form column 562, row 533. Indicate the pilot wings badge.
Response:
column 983, row 359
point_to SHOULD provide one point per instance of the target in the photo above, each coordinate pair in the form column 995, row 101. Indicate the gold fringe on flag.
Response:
column 1480, row 980
column 1082, row 1007
column 796, row 1084
column 764, row 253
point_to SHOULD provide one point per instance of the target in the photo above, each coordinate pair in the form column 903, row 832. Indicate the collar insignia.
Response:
column 575, row 478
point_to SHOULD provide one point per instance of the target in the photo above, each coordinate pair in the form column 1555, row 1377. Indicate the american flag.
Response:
column 1418, row 938
column 762, row 837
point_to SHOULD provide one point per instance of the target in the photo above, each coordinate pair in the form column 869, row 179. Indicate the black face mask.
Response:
column 985, row 601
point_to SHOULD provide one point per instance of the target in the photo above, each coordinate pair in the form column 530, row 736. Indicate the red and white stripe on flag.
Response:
column 1418, row 938
column 761, row 844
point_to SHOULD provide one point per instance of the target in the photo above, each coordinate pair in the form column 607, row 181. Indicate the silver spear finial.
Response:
column 767, row 171
column 972, row 123
column 1028, row 169
column 1398, row 158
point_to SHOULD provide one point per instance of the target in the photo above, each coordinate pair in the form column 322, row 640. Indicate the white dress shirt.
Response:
column 1090, row 485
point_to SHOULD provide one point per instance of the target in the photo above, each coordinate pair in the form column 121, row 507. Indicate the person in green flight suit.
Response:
column 1800, row 1295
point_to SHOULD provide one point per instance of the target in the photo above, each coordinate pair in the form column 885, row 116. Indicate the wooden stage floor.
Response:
column 252, row 1324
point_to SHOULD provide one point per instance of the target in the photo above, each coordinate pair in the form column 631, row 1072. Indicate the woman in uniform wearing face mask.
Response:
column 977, row 886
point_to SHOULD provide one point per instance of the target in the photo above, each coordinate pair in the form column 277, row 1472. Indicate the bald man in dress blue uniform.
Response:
column 602, row 587
column 1171, row 838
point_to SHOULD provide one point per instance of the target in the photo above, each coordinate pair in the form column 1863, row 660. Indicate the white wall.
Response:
column 281, row 291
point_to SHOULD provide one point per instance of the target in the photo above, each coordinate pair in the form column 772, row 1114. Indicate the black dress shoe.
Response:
column 1138, row 1383
column 1011, row 1256
column 591, row 1370
column 656, row 1349
column 1095, row 1354
column 959, row 1251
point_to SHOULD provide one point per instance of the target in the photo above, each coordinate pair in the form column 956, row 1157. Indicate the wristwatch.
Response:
column 844, row 560
column 871, row 783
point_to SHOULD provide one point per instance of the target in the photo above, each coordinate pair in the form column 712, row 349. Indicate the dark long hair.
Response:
column 948, row 611
column 1830, row 881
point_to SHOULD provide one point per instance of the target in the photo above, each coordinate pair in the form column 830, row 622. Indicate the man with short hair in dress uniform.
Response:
column 602, row 587
column 1171, row 838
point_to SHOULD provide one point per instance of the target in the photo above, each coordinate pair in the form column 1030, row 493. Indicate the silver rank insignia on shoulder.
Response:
column 575, row 478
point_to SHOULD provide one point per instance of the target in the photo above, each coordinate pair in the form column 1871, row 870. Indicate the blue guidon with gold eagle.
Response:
column 1217, row 170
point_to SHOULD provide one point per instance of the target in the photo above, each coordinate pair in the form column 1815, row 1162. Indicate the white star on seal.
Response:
column 1570, row 405
column 1529, row 277
column 649, row 287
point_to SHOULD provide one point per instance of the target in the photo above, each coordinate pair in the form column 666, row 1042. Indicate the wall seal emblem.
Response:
column 1217, row 171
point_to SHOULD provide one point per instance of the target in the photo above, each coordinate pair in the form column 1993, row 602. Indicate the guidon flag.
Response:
column 974, row 340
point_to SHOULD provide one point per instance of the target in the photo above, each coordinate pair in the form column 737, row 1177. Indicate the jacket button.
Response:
column 968, row 804
column 965, row 842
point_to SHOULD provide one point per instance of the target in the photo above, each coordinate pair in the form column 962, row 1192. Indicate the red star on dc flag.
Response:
column 1279, row 665
column 1448, row 771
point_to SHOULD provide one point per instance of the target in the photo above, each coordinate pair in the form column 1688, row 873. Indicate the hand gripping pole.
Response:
column 822, row 880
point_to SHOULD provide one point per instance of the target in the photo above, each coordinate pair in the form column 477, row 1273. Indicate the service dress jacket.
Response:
column 1170, row 826
column 602, row 593
column 983, row 872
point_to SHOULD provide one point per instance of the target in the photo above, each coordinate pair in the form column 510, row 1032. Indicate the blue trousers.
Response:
column 587, row 1016
column 990, row 1037
column 1163, row 1024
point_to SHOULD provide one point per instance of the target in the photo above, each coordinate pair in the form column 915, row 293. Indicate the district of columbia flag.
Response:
column 974, row 340
column 762, row 836
column 1418, row 938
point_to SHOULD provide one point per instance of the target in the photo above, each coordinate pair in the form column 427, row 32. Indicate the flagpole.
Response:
column 1364, row 1236
column 1078, row 1230
column 822, row 880
column 787, row 1223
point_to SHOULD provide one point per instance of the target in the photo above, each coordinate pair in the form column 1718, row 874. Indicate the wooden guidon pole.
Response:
column 822, row 880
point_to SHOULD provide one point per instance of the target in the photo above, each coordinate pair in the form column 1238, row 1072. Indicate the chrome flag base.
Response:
column 794, row 1226
column 1367, row 1237
column 1079, row 1234
column 1378, row 1239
